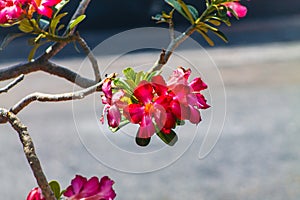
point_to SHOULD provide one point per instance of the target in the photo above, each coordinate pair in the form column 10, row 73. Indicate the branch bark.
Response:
column 12, row 84
column 29, row 152
column 46, row 66
column 42, row 97
column 166, row 54
column 91, row 57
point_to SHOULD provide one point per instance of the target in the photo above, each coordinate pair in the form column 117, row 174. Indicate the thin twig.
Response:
column 58, row 46
column 29, row 152
column 42, row 97
column 12, row 84
column 91, row 57
column 165, row 54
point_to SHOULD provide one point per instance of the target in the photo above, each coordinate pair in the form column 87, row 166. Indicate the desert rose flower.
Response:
column 43, row 7
column 240, row 10
column 35, row 194
column 10, row 10
column 92, row 189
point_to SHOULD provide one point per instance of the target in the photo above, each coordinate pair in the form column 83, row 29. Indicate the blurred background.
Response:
column 258, row 153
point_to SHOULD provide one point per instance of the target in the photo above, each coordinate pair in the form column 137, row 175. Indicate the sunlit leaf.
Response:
column 76, row 21
column 55, row 21
column 26, row 26
column 176, row 5
column 129, row 73
column 32, row 52
column 55, row 187
column 221, row 35
column 206, row 37
column 186, row 11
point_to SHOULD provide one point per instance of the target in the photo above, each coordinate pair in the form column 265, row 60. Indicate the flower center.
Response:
column 148, row 107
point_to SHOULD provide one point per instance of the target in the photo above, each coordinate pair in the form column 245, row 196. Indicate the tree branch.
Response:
column 29, row 152
column 58, row 46
column 12, row 84
column 42, row 97
column 165, row 54
column 91, row 57
column 46, row 66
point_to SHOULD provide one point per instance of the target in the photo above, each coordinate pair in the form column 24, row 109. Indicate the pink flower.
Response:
column 35, row 194
column 112, row 103
column 92, row 189
column 239, row 9
column 10, row 11
column 44, row 7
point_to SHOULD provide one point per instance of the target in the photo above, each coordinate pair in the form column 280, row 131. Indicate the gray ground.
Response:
column 256, row 157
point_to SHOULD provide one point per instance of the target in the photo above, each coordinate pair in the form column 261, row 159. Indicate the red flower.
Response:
column 238, row 8
column 10, row 10
column 35, row 194
column 43, row 7
column 91, row 189
column 142, row 112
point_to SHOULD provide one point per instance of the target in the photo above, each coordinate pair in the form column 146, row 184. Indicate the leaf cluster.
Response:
column 214, row 15
column 44, row 30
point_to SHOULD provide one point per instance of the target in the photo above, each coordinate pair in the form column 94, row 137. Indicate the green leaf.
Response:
column 214, row 22
column 8, row 38
column 32, row 52
column 55, row 21
column 131, row 83
column 57, row 8
column 187, row 11
column 209, row 27
column 129, row 73
column 193, row 11
column 25, row 26
column 55, row 187
column 169, row 139
column 139, row 77
column 121, row 83
column 149, row 76
column 142, row 141
column 76, row 21
column 205, row 36
column 176, row 5
column 221, row 35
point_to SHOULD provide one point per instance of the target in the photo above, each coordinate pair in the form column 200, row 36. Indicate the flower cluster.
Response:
column 156, row 105
column 12, row 11
column 81, row 188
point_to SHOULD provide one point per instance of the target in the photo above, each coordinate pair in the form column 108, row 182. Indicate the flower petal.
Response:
column 159, row 85
column 197, row 84
column 147, row 128
column 240, row 10
column 134, row 113
column 35, row 194
column 144, row 92
column 45, row 10
column 91, row 187
column 113, row 116
column 195, row 117
column 179, row 76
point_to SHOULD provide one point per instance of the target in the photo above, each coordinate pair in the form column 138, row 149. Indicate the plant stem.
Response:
column 29, row 152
